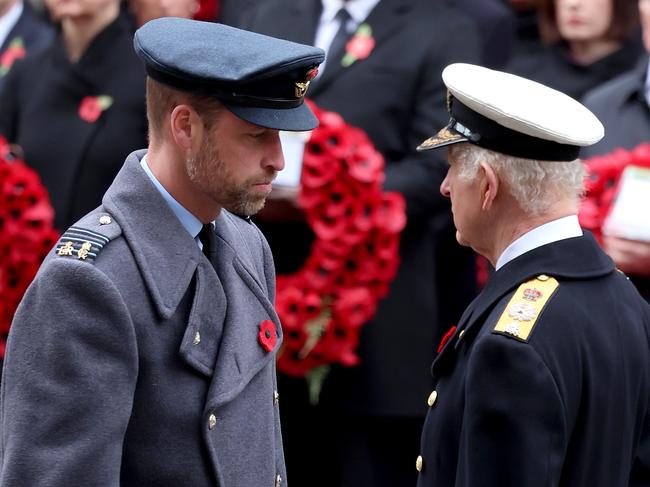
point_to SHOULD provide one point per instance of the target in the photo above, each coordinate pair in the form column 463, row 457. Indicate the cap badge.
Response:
column 301, row 89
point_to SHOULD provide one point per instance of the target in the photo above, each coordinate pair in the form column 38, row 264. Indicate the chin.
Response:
column 461, row 239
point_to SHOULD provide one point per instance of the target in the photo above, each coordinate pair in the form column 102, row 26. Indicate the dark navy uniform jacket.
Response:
column 566, row 404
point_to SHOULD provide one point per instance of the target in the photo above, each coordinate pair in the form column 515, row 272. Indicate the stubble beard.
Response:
column 212, row 177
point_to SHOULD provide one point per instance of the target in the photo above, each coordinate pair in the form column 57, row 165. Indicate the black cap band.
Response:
column 221, row 91
column 486, row 133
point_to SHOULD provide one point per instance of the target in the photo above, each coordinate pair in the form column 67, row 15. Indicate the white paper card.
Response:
column 628, row 217
column 293, row 148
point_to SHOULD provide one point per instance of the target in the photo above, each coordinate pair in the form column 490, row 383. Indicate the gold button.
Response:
column 418, row 463
column 276, row 397
column 105, row 220
column 462, row 332
column 212, row 421
column 542, row 277
column 197, row 338
column 278, row 480
column 432, row 399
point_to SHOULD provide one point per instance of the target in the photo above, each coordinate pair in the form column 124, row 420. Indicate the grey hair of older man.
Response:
column 534, row 184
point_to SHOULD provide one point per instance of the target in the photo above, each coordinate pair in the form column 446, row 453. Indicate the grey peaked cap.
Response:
column 259, row 78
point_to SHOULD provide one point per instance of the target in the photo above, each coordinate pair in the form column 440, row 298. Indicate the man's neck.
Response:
column 168, row 169
column 512, row 229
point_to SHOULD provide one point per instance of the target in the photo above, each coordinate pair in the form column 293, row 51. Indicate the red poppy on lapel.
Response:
column 15, row 51
column 446, row 338
column 91, row 107
column 359, row 47
column 267, row 336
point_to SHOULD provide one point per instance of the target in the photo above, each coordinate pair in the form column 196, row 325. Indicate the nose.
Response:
column 444, row 186
column 274, row 157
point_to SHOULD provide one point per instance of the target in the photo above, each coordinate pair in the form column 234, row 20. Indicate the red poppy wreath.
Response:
column 603, row 175
column 26, row 233
column 355, row 253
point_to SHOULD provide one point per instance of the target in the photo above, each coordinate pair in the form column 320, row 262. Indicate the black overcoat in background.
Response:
column 39, row 111
column 397, row 96
column 566, row 407
column 554, row 67
column 621, row 105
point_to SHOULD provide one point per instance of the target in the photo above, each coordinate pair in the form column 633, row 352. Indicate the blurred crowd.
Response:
column 72, row 104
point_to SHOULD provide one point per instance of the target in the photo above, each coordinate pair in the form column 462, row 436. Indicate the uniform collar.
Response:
column 566, row 227
column 190, row 222
column 165, row 252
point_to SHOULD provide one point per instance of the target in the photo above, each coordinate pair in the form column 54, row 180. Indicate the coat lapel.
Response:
column 386, row 19
column 166, row 269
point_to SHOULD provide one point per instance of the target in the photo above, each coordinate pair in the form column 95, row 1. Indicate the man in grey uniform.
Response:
column 143, row 352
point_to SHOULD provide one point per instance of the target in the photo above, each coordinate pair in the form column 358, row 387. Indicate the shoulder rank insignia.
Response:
column 79, row 243
column 518, row 319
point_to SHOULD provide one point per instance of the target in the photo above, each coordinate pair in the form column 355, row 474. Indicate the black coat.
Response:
column 496, row 24
column 567, row 407
column 39, row 110
column 554, row 67
column 622, row 107
column 397, row 96
column 34, row 33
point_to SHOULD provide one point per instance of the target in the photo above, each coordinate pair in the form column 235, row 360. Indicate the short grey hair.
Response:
column 534, row 184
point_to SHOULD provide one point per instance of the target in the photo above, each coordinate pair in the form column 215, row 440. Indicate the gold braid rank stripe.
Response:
column 524, row 308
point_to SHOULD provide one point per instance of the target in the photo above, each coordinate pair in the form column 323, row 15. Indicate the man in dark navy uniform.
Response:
column 545, row 381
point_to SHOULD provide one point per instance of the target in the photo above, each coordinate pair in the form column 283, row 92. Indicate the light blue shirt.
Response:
column 191, row 223
column 560, row 229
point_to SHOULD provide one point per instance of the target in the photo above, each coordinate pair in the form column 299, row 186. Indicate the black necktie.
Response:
column 209, row 241
column 335, row 51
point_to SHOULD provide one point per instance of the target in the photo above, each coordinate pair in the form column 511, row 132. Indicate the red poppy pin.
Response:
column 15, row 51
column 311, row 74
column 268, row 335
column 91, row 107
column 359, row 47
column 446, row 338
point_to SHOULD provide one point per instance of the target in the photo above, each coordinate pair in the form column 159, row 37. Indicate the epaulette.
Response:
column 84, row 241
column 524, row 308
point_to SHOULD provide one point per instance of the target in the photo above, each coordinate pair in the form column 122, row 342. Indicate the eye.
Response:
column 257, row 135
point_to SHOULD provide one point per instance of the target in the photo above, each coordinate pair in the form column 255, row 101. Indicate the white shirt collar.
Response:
column 8, row 20
column 560, row 229
column 358, row 9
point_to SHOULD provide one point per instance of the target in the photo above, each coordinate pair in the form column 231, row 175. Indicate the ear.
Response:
column 186, row 128
column 489, row 186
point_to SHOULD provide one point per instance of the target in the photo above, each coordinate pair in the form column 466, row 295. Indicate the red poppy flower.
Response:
column 26, row 232
column 89, row 109
column 268, row 336
column 360, row 46
column 354, row 255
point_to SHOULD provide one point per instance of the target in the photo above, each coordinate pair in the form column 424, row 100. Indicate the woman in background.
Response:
column 589, row 42
column 77, row 109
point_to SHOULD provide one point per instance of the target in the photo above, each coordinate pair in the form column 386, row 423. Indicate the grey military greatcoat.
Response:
column 132, row 362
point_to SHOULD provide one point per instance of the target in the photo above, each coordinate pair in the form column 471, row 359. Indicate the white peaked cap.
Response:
column 513, row 115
